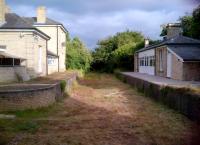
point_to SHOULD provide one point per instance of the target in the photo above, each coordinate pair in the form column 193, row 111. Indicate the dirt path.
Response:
column 104, row 111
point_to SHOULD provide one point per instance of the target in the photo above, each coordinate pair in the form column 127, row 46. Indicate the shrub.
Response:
column 63, row 85
column 28, row 126
column 77, row 54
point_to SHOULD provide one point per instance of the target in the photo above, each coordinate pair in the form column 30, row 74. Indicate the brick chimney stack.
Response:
column 2, row 11
column 173, row 29
column 41, row 14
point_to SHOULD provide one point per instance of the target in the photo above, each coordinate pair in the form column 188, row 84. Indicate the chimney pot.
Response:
column 41, row 14
column 146, row 42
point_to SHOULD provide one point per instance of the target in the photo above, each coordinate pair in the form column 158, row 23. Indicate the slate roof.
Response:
column 33, row 20
column 6, row 55
column 51, row 54
column 14, row 21
column 187, row 53
column 178, row 40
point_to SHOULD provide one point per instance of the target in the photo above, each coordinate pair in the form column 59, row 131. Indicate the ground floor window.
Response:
column 9, row 62
column 51, row 61
column 147, row 61
column 152, row 61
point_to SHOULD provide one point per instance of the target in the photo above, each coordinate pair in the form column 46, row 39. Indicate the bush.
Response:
column 78, row 56
column 117, row 52
column 63, row 85
column 28, row 126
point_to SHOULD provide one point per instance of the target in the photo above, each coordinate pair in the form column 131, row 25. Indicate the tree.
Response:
column 78, row 56
column 117, row 52
column 190, row 24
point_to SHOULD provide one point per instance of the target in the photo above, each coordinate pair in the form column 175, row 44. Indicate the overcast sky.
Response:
column 92, row 20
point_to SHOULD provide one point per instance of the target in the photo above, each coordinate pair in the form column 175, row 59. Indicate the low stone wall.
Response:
column 7, row 74
column 13, row 74
column 29, row 96
column 181, row 99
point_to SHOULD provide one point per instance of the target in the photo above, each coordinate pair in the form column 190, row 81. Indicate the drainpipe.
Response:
column 47, row 73
column 58, row 52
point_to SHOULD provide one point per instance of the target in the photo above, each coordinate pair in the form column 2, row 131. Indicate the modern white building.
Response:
column 176, row 57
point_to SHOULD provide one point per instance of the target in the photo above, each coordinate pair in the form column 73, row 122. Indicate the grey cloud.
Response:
column 104, row 6
column 92, row 20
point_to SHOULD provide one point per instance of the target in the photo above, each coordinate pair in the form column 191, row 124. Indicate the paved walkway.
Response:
column 164, row 81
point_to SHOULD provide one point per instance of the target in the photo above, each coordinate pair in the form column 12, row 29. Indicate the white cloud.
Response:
column 93, row 20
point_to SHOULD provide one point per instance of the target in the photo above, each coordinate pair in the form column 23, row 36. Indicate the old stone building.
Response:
column 30, row 46
column 176, row 57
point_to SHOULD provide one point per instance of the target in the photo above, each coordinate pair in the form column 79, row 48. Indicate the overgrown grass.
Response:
column 63, row 85
column 35, row 113
column 26, row 121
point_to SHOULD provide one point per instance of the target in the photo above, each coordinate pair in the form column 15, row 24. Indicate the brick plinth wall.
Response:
column 181, row 99
column 32, row 96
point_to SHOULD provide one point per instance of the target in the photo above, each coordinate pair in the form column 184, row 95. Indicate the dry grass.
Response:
column 104, row 111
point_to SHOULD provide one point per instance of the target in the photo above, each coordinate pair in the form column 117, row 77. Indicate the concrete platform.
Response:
column 182, row 96
column 164, row 81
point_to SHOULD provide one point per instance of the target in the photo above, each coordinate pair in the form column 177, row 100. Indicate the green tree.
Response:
column 190, row 25
column 117, row 52
column 78, row 56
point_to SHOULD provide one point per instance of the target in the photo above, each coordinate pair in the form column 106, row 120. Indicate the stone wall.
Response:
column 29, row 96
column 7, row 74
column 26, row 45
column 181, row 99
column 177, row 68
column 191, row 71
column 12, row 74
column 56, row 44
column 162, row 73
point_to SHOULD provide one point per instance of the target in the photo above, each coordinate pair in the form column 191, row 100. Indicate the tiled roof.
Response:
column 178, row 40
column 187, row 53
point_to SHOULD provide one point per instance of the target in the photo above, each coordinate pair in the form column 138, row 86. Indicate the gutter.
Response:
column 43, row 35
column 51, row 25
